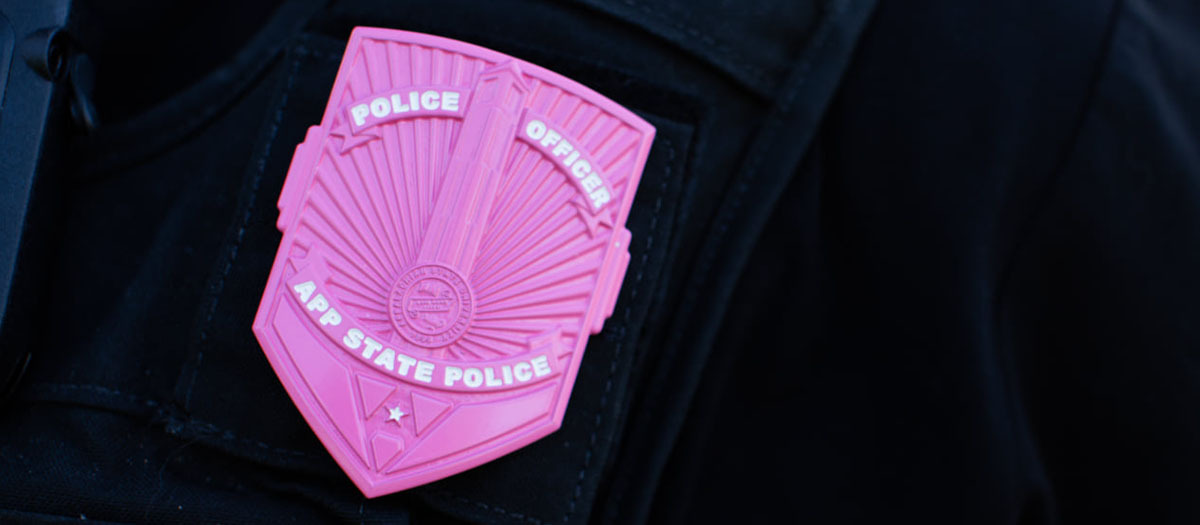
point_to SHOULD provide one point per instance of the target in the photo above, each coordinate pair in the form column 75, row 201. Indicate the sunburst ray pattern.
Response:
column 538, row 264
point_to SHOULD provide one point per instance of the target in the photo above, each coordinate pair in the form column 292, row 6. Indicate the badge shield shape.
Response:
column 453, row 231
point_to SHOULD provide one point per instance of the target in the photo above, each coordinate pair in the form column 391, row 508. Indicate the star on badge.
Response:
column 394, row 414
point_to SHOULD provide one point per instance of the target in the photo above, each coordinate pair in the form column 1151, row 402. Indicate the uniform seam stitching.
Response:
column 599, row 417
column 774, row 119
column 256, row 182
column 493, row 508
column 723, row 49
column 190, row 423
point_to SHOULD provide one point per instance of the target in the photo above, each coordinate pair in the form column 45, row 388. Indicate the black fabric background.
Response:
column 914, row 262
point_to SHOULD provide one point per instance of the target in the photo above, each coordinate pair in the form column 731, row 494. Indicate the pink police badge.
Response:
column 453, row 232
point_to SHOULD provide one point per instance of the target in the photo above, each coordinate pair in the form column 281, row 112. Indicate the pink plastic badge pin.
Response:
column 454, row 230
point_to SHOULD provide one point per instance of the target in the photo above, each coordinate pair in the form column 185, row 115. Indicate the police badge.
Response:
column 453, row 231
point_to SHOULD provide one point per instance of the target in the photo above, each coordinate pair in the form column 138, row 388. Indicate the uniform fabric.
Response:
column 914, row 262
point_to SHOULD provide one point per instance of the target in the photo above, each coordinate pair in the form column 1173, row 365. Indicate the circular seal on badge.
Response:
column 431, row 305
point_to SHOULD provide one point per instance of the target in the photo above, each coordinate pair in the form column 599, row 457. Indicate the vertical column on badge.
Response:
column 472, row 177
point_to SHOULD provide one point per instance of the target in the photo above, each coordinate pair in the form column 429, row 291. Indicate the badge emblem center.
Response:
column 453, row 232
column 431, row 306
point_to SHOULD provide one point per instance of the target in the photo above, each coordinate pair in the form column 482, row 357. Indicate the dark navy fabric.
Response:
column 906, row 262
